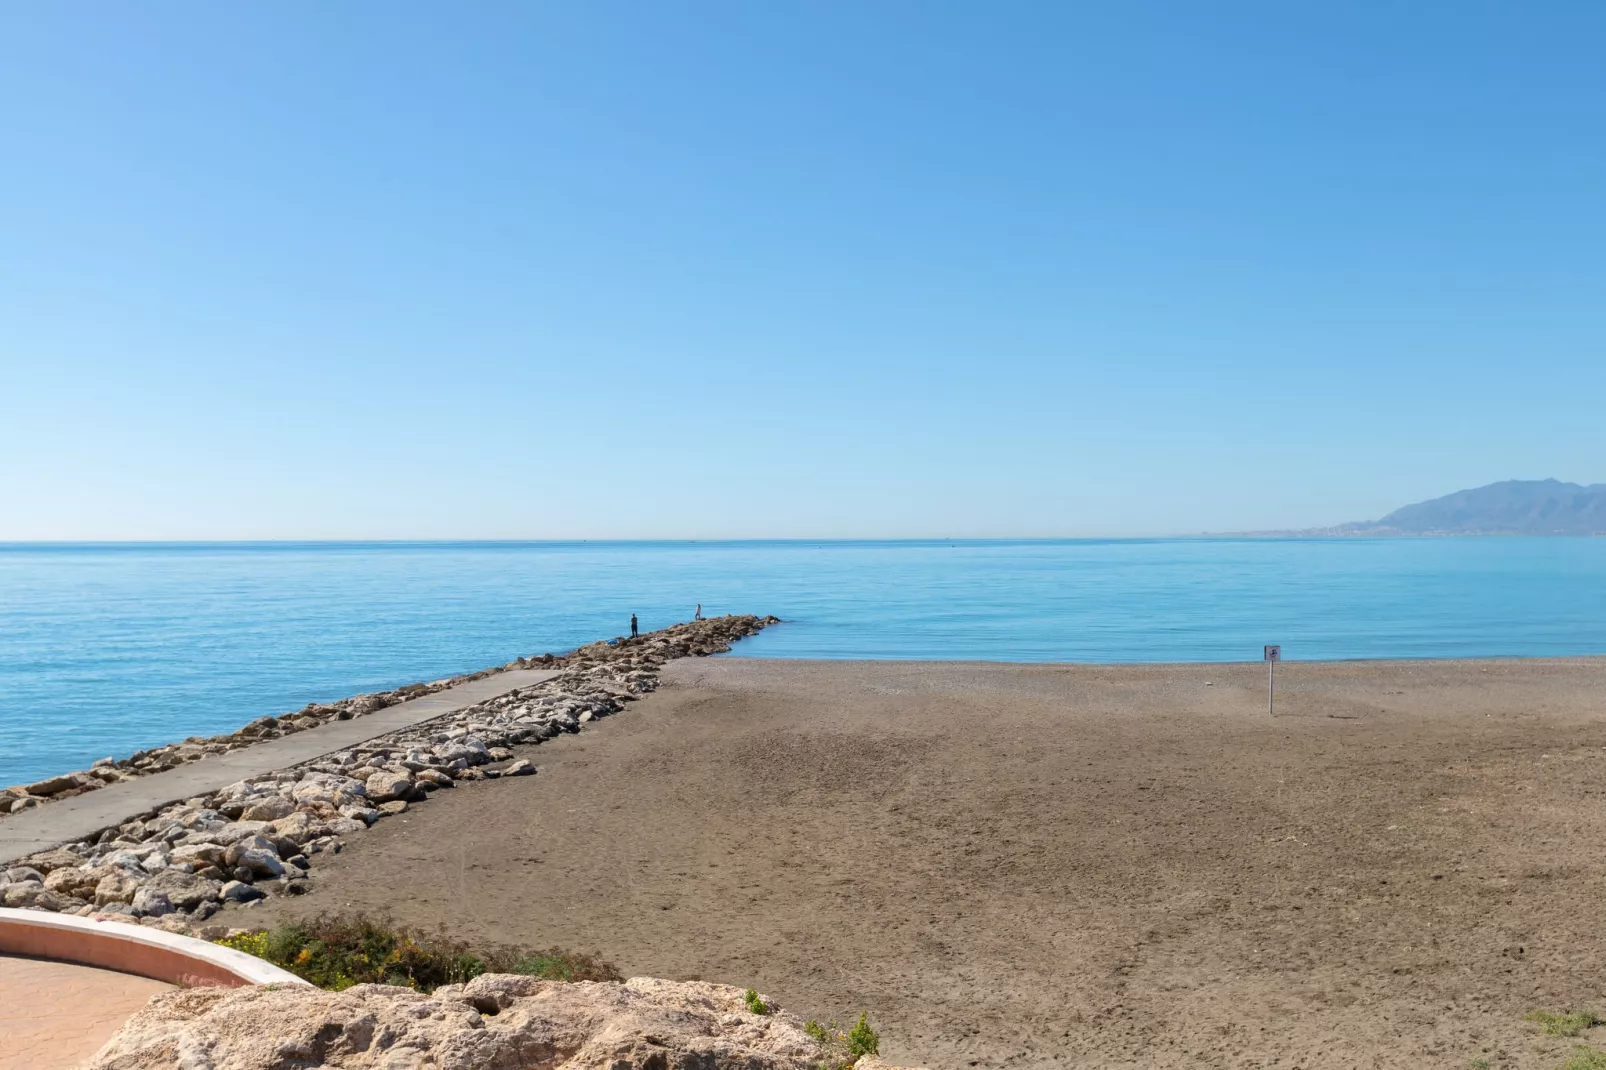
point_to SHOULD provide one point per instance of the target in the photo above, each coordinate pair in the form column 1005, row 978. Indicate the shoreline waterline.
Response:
column 113, row 650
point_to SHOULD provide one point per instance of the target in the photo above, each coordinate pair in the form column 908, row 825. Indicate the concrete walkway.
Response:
column 55, row 823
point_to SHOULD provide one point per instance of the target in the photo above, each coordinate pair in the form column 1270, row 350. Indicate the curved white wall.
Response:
column 145, row 952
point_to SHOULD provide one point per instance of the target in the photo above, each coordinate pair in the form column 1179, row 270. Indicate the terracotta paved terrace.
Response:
column 54, row 1015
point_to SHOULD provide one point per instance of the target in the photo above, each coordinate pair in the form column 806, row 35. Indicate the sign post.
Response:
column 1272, row 654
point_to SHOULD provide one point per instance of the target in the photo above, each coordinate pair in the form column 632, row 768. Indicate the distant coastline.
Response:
column 1349, row 531
column 1545, row 508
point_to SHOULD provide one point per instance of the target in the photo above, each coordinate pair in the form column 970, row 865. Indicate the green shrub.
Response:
column 754, row 1003
column 862, row 1040
column 1584, row 1058
column 338, row 951
column 842, row 1048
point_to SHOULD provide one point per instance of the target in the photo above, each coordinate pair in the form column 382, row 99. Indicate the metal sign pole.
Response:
column 1273, row 654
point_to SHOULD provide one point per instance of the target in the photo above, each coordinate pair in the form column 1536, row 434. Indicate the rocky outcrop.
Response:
column 182, row 863
column 495, row 1022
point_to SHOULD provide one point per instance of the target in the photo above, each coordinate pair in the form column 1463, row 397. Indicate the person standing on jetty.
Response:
column 633, row 632
column 699, row 614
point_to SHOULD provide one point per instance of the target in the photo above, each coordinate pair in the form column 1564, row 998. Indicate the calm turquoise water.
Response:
column 105, row 650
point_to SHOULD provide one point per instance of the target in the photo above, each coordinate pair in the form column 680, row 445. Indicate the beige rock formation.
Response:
column 496, row 1022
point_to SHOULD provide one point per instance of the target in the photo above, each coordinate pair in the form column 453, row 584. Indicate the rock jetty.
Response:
column 16, row 799
column 261, row 836
column 499, row 1020
column 698, row 641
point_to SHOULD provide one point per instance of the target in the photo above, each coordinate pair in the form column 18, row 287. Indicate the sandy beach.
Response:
column 1053, row 865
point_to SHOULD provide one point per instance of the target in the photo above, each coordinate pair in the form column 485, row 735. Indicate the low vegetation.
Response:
column 336, row 951
column 1570, row 1024
column 843, row 1047
column 1584, row 1058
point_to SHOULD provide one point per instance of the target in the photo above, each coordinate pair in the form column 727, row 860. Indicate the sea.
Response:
column 108, row 649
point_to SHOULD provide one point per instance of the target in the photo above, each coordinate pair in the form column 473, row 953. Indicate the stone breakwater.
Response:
column 20, row 797
column 514, row 1023
column 260, row 836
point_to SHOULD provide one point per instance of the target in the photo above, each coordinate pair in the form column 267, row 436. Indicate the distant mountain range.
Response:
column 1515, row 507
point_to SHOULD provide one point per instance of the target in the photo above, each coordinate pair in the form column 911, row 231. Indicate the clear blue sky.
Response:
column 811, row 269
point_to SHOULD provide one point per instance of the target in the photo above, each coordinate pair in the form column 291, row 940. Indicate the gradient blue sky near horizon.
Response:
column 791, row 269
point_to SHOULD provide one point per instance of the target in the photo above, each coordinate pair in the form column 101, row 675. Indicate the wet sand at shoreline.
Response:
column 1057, row 865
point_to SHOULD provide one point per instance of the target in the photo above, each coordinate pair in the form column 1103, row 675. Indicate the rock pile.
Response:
column 260, row 836
column 513, row 1023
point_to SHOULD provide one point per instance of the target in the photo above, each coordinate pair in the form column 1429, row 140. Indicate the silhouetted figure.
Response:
column 699, row 615
column 633, row 631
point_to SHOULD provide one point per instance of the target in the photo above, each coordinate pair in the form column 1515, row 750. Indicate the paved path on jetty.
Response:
column 81, row 816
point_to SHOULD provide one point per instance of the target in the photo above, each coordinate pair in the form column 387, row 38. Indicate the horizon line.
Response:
column 575, row 540
column 1305, row 535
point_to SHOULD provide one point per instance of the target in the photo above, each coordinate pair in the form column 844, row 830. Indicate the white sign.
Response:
column 1274, row 653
